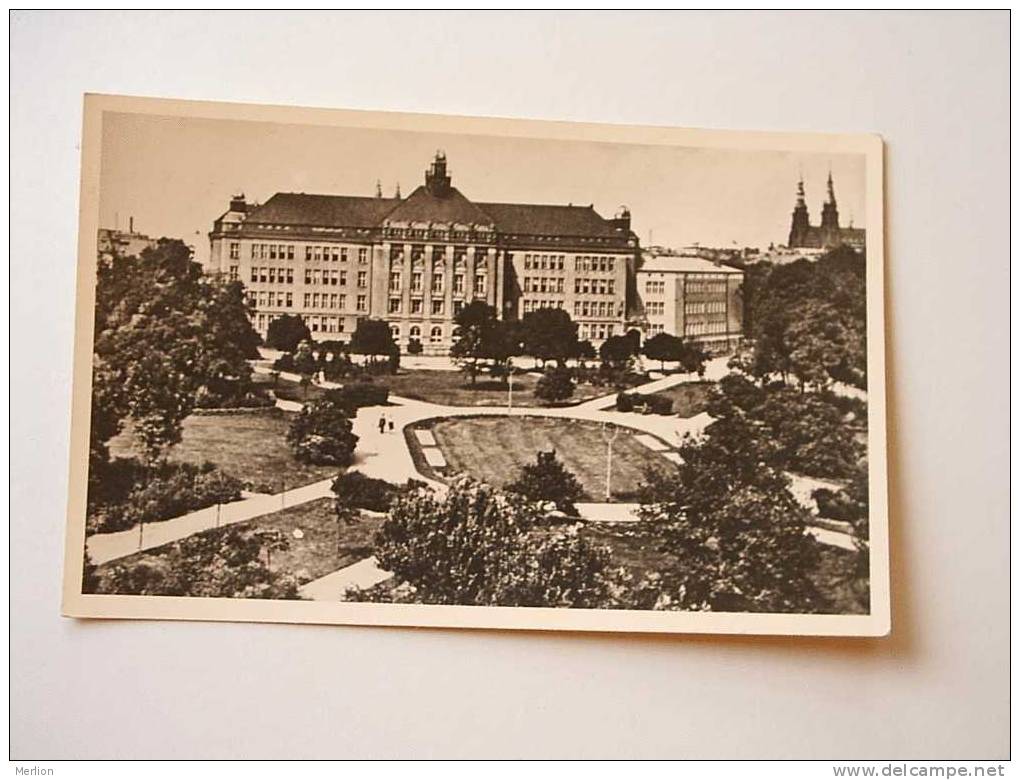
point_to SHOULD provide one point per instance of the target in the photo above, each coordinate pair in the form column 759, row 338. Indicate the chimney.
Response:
column 131, row 224
column 238, row 203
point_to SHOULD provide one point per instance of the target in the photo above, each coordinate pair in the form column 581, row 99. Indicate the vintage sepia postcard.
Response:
column 399, row 369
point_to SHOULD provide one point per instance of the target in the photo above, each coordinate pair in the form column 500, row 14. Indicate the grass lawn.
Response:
column 251, row 446
column 315, row 555
column 689, row 399
column 493, row 449
column 454, row 388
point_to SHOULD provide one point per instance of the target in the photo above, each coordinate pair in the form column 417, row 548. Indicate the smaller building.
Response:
column 691, row 297
column 121, row 243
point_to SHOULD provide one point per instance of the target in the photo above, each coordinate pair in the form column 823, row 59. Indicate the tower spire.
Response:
column 378, row 188
column 832, row 190
column 800, row 191
column 396, row 193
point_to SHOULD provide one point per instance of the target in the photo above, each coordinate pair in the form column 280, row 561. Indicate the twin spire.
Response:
column 830, row 187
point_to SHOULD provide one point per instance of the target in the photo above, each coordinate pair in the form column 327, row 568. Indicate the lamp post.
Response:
column 609, row 433
column 509, row 384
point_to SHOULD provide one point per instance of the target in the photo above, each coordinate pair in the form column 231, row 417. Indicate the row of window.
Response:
column 655, row 308
column 598, row 331
column 414, row 332
column 271, row 299
column 286, row 252
column 418, row 253
column 655, row 288
column 705, row 287
column 701, row 327
column 596, row 263
column 530, row 305
column 595, row 286
column 438, row 282
column 543, row 284
column 595, row 309
column 438, row 306
column 439, row 235
column 705, row 307
column 544, row 262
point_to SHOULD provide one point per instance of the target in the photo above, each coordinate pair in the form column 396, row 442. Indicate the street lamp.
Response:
column 509, row 384
column 609, row 433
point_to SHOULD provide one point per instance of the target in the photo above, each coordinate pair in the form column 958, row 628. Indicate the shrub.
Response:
column 254, row 399
column 284, row 363
column 165, row 491
column 547, row 480
column 556, row 384
column 478, row 546
column 231, row 562
column 659, row 404
column 354, row 489
column 625, row 402
column 358, row 394
column 414, row 347
column 322, row 434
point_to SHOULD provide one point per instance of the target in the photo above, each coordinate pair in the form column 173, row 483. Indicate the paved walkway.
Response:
column 109, row 547
column 363, row 574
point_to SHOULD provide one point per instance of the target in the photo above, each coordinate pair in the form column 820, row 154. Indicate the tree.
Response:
column 474, row 337
column 735, row 537
column 304, row 359
column 322, row 434
column 692, row 357
column 617, row 350
column 286, row 332
column 163, row 332
column 585, row 351
column 478, row 546
column 373, row 338
column 663, row 347
column 556, row 384
column 547, row 480
column 549, row 334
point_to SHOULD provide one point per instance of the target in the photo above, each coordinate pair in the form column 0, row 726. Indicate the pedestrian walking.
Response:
column 382, row 423
column 389, row 425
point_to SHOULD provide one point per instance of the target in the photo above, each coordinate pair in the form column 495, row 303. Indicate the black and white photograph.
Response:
column 369, row 363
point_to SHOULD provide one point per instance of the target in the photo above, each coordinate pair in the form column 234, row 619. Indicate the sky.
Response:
column 176, row 175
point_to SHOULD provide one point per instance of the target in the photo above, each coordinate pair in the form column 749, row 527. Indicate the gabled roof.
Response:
column 540, row 220
column 422, row 206
column 298, row 208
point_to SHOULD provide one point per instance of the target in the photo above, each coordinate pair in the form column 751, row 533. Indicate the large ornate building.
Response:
column 827, row 235
column 416, row 261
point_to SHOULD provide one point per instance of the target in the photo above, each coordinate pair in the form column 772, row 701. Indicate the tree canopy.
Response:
column 286, row 332
column 163, row 331
column 479, row 336
column 372, row 338
column 479, row 546
column 549, row 334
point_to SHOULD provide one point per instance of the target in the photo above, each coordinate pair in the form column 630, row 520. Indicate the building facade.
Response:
column 689, row 296
column 828, row 234
column 121, row 243
column 416, row 261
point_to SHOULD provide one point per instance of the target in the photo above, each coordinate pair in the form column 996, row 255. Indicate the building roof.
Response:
column 541, row 220
column 684, row 264
column 422, row 206
column 299, row 208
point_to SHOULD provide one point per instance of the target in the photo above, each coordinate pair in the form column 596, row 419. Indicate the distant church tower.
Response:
column 827, row 235
column 800, row 226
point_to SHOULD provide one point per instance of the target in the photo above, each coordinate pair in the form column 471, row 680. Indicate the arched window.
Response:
column 395, row 330
column 415, row 332
column 436, row 335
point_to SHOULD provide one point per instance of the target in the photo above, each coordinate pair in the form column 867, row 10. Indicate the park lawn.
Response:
column 454, row 388
column 251, row 446
column 689, row 399
column 493, row 449
column 315, row 555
